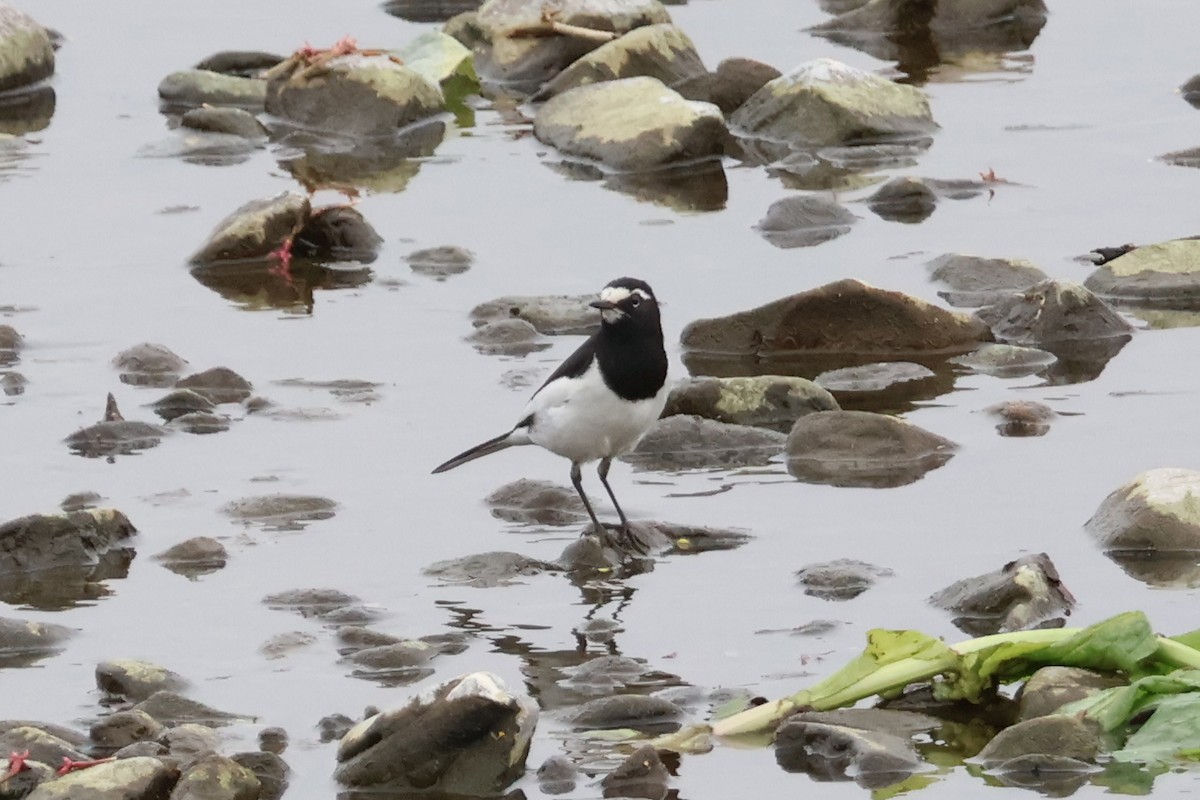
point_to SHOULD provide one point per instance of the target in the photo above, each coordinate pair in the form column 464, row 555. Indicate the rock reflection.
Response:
column 1174, row 570
column 347, row 164
column 701, row 186
column 260, row 284
column 62, row 588
column 25, row 112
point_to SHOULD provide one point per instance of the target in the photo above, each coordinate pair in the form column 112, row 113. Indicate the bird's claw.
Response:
column 70, row 766
column 16, row 763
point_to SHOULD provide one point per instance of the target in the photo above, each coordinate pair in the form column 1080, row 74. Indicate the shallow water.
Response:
column 95, row 265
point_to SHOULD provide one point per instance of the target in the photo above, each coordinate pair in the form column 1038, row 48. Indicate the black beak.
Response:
column 603, row 305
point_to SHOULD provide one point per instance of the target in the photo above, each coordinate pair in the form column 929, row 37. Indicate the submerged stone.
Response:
column 557, row 775
column 193, row 557
column 114, row 435
column 281, row 511
column 1006, row 360
column 536, row 502
column 843, row 579
column 976, row 281
column 25, row 641
column 859, row 448
column 171, row 708
column 180, row 402
column 441, row 262
column 642, row 774
column 1022, row 417
column 903, row 199
column 1068, row 737
column 507, row 337
column 804, row 222
column 219, row 385
column 149, row 364
column 754, row 400
column 233, row 121
column 1051, row 688
column 683, row 442
column 548, row 314
column 873, row 759
column 641, row 712
column 486, row 570
column 873, row 377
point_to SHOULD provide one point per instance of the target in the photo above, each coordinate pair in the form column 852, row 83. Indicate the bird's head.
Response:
column 626, row 300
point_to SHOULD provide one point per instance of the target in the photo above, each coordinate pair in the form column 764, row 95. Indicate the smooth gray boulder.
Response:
column 975, row 281
column 630, row 125
column 1051, row 688
column 660, row 51
column 78, row 538
column 826, row 102
column 254, row 230
column 218, row 385
column 467, row 736
column 638, row 711
column 441, row 262
column 180, row 402
column 847, row 316
column 686, row 442
column 518, row 42
column 352, row 94
column 122, row 729
column 527, row 502
column 1157, row 512
column 507, row 337
column 1067, row 737
column 766, row 400
column 1166, row 274
column 1020, row 595
column 859, row 448
column 26, row 55
column 24, row 642
column 804, row 221
column 149, row 364
column 903, row 199
column 199, row 87
column 231, row 120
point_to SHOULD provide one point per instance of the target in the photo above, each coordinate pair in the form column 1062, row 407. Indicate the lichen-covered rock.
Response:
column 847, row 316
column 215, row 777
column 755, row 400
column 124, row 779
column 686, row 442
column 631, row 124
column 1157, row 512
column 136, row 680
column 1020, row 595
column 353, row 95
column 859, row 448
column 42, row 745
column 26, row 55
column 198, row 87
column 826, row 102
column 1165, row 274
column 656, row 51
column 254, row 230
column 468, row 736
column 124, row 728
column 976, row 281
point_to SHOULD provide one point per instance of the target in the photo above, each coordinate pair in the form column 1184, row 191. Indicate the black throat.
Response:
column 631, row 357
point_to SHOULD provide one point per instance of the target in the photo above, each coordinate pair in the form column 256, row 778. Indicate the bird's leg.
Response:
column 577, row 480
column 70, row 766
column 16, row 763
column 626, row 533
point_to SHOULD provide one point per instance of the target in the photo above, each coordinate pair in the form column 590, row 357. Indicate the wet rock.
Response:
column 26, row 54
column 284, row 644
column 329, row 605
column 254, row 230
column 215, row 777
column 141, row 749
column 24, row 782
column 846, row 316
column 509, row 54
column 527, row 502
column 353, row 94
column 858, row 448
column 10, row 339
column 630, row 124
column 1190, row 90
column 80, row 501
column 219, row 385
column 42, row 745
column 1051, row 688
column 557, row 775
column 605, row 674
column 199, row 87
column 180, row 402
column 271, row 771
column 123, row 729
column 872, row 377
column 1189, row 157
column 149, row 364
column 642, row 774
column 903, row 199
column 440, row 263
column 659, row 51
column 467, row 736
column 429, row 10
column 246, row 63
column 125, row 779
column 403, row 662
column 114, row 435
column 200, row 423
column 767, row 400
column 136, row 680
column 171, row 708
column 13, row 383
column 976, row 281
column 548, row 314
column 339, row 233
column 78, row 538
column 1069, row 737
column 186, row 741
column 842, row 579
column 334, row 727
column 1166, row 274
column 735, row 80
column 1006, row 360
column 685, row 442
column 1022, row 594
column 281, row 512
column 804, row 221
column 487, row 570
column 873, row 759
column 233, row 121
column 507, row 337
column 1052, row 312
column 24, row 642
column 1158, row 512
column 1022, row 417
column 194, row 557
column 826, row 102
column 641, row 712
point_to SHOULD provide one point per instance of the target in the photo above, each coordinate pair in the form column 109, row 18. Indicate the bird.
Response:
column 602, row 399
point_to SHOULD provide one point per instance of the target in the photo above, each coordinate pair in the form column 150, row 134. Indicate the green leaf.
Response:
column 1172, row 733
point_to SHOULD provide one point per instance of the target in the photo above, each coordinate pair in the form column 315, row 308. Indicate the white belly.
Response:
column 582, row 420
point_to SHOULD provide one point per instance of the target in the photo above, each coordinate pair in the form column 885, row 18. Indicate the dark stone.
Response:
column 640, row 712
column 1053, row 311
column 642, row 774
column 903, row 199
column 246, row 63
column 1069, row 737
column 271, row 771
column 233, row 121
column 338, row 233
column 804, row 221
column 872, row 759
column 507, row 337
column 219, row 385
column 200, row 423
column 254, row 230
column 766, row 400
column 79, row 538
column 735, row 81
column 80, row 501
column 1020, row 595
column 440, row 263
column 180, row 402
column 1051, row 688
column 859, row 448
column 149, row 364
column 557, row 775
column 196, row 87
column 136, row 680
column 975, row 281
column 843, row 579
column 486, row 570
column 194, row 557
column 24, row 642
column 1022, row 417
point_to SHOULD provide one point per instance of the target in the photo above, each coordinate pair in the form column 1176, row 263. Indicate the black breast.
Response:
column 632, row 359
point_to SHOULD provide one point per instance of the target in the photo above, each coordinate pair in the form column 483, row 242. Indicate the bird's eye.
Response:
column 636, row 301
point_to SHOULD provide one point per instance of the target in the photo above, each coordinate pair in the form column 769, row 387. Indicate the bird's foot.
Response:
column 283, row 257
column 16, row 763
column 70, row 766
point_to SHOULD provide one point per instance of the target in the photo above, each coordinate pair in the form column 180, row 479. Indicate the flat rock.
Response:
column 975, row 281
column 1051, row 688
column 548, row 314
column 826, row 102
column 26, row 54
column 1020, row 595
column 527, row 501
column 486, row 570
column 756, row 400
column 630, row 125
column 330, row 605
column 136, row 680
column 1006, row 360
column 833, row 752
column 683, row 442
column 125, row 779
column 441, row 262
column 281, row 511
column 875, row 377
column 847, row 316
column 353, row 95
column 804, row 221
column 842, row 579
column 467, row 736
column 859, row 448
column 254, row 230
column 230, row 120
column 638, row 711
column 660, row 51
column 1165, row 274
column 1068, row 737
column 198, row 87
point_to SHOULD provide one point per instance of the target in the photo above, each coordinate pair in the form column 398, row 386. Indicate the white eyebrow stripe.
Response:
column 613, row 294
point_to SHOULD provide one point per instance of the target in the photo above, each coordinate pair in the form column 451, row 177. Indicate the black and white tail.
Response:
column 517, row 436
